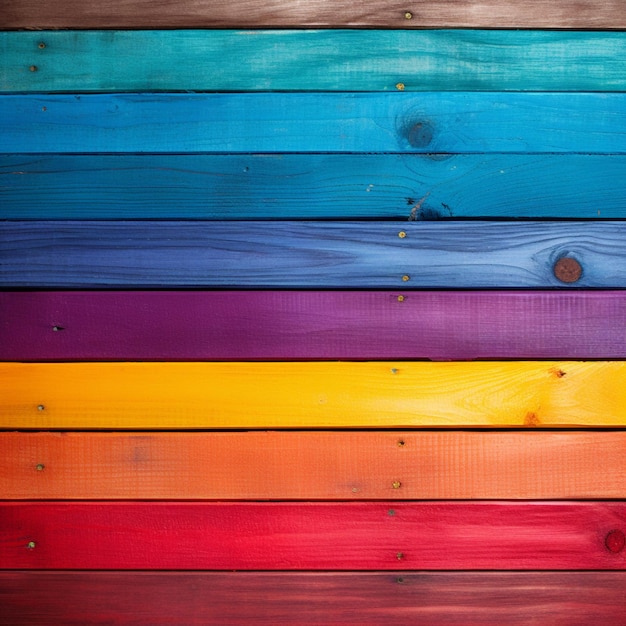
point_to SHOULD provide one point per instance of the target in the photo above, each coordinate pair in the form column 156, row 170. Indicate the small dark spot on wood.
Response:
column 420, row 134
column 400, row 556
column 567, row 270
column 33, row 68
column 531, row 419
column 615, row 541
column 401, row 443
column 41, row 45
column 391, row 512
column 400, row 580
column 410, row 201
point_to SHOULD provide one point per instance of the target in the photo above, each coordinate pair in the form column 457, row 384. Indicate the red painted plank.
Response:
column 314, row 536
column 394, row 598
column 270, row 325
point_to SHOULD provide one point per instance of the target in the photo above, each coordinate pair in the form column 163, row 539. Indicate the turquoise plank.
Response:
column 461, row 122
column 312, row 60
column 400, row 255
column 312, row 186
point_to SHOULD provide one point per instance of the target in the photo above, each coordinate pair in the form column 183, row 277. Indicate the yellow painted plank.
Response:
column 312, row 395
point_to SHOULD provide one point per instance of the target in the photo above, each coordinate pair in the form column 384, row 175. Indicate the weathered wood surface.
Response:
column 449, row 122
column 314, row 536
column 304, row 325
column 289, row 186
column 316, row 13
column 313, row 465
column 312, row 395
column 344, row 255
column 312, row 60
column 398, row 598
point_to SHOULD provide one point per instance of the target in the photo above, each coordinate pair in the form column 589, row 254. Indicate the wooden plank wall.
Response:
column 312, row 313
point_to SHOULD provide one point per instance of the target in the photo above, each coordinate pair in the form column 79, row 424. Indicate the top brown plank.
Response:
column 575, row 14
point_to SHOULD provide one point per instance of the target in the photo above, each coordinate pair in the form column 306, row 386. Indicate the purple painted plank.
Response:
column 273, row 325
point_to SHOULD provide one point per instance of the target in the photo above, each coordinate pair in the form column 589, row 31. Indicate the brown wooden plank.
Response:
column 610, row 14
column 313, row 465
column 474, row 535
column 394, row 598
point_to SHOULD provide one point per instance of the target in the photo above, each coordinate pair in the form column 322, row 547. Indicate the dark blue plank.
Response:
column 310, row 254
column 312, row 60
column 312, row 186
column 465, row 122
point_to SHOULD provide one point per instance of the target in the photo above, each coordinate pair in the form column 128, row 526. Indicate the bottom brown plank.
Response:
column 157, row 598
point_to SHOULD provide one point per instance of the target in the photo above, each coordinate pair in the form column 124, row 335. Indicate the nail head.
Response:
column 42, row 45
column 408, row 15
column 402, row 234
column 40, row 407
column 33, row 68
column 406, row 278
column 31, row 545
column 400, row 298
column 396, row 484
column 40, row 467
column 400, row 86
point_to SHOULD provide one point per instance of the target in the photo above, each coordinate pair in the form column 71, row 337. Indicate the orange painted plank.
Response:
column 397, row 598
column 383, row 394
column 313, row 465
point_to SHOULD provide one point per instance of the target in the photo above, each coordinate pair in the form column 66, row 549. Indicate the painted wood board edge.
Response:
column 471, row 535
column 310, row 325
column 29, row 14
column 242, row 395
column 402, row 465
column 396, row 598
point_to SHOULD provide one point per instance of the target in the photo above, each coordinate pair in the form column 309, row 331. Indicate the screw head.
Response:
column 567, row 269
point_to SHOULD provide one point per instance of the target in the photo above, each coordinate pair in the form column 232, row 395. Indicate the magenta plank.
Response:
column 274, row 325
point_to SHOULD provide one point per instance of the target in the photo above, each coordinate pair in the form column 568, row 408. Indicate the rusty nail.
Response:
column 567, row 269
column 400, row 86
column 615, row 541
column 40, row 467
column 408, row 15
column 42, row 45
column 31, row 545
column 396, row 484
column 406, row 278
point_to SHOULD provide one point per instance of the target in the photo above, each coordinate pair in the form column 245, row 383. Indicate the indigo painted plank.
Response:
column 312, row 60
column 36, row 14
column 463, row 122
column 399, row 598
column 313, row 465
column 303, row 325
column 344, row 255
column 387, row 394
column 259, row 187
column 314, row 536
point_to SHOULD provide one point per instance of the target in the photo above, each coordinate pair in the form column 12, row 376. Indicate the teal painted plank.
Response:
column 310, row 254
column 462, row 122
column 312, row 186
column 312, row 60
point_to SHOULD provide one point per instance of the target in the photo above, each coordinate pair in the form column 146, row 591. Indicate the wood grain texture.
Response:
column 313, row 465
column 312, row 395
column 430, row 122
column 317, row 13
column 289, row 186
column 312, row 536
column 312, row 60
column 397, row 598
column 93, row 254
column 310, row 325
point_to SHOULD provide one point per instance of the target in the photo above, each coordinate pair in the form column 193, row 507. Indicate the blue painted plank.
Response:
column 463, row 122
column 312, row 60
column 309, row 254
column 312, row 186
